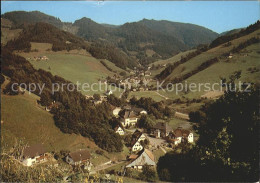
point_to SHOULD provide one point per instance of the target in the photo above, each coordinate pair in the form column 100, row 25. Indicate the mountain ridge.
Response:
column 164, row 38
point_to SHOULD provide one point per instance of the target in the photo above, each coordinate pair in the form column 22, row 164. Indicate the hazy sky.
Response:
column 216, row 15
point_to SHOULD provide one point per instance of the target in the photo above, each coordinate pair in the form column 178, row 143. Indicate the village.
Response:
column 141, row 142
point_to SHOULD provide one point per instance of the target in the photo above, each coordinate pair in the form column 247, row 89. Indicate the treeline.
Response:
column 245, row 44
column 243, row 32
column 200, row 68
column 157, row 109
column 169, row 69
column 107, row 51
column 75, row 114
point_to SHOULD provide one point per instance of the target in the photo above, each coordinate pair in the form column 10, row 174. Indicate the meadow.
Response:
column 72, row 66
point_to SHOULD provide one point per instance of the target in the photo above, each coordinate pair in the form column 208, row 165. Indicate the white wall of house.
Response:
column 143, row 112
column 129, row 122
column 120, row 131
column 178, row 140
column 137, row 147
column 31, row 161
column 141, row 138
column 190, row 138
column 116, row 111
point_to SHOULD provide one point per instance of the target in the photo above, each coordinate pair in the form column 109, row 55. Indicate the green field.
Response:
column 114, row 67
column 73, row 67
column 172, row 59
column 152, row 94
column 215, row 52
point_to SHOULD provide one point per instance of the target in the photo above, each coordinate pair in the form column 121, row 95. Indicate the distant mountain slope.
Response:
column 162, row 39
column 46, row 33
column 62, row 40
column 233, row 31
column 189, row 34
column 23, row 17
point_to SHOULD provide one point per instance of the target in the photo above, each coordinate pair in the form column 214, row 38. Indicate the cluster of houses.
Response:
column 36, row 154
column 39, row 58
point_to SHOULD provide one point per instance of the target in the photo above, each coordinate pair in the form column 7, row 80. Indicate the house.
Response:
column 34, row 154
column 109, row 92
column 119, row 130
column 147, row 73
column 141, row 89
column 145, row 157
column 88, row 97
column 161, row 130
column 230, row 56
column 180, row 135
column 136, row 146
column 54, row 105
column 116, row 111
column 128, row 118
column 139, row 111
column 79, row 157
column 138, row 136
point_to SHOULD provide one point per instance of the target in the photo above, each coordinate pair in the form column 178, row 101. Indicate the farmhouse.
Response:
column 33, row 155
column 109, row 92
column 119, row 130
column 145, row 157
column 79, row 157
column 54, row 105
column 161, row 130
column 180, row 135
column 129, row 118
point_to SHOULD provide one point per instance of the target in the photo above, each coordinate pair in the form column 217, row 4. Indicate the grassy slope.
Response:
column 224, row 68
column 196, row 61
column 113, row 66
column 172, row 59
column 24, row 119
column 71, row 66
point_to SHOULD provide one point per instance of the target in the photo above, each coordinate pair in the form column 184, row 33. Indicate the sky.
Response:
column 218, row 16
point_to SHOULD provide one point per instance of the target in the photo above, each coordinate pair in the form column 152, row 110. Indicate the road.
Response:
column 105, row 166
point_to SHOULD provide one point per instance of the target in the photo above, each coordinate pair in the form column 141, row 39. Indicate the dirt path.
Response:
column 163, row 149
column 166, row 98
column 105, row 166
column 182, row 115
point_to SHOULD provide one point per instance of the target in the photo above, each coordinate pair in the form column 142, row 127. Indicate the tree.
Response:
column 227, row 149
column 148, row 174
column 96, row 96
column 145, row 122
column 195, row 116
column 46, row 99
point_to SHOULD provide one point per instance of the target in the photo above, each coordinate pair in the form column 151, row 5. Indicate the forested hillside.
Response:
column 75, row 114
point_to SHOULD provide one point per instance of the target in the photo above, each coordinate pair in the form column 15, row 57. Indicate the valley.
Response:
column 123, row 127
